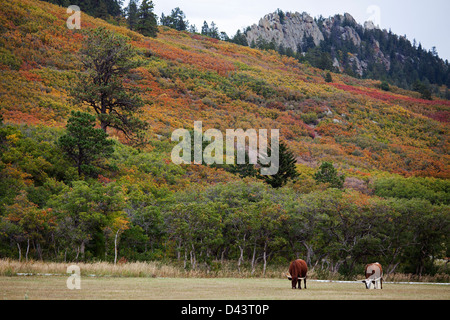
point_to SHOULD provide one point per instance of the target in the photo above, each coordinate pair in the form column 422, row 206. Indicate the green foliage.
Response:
column 87, row 212
column 85, row 145
column 328, row 78
column 100, row 9
column 436, row 191
column 310, row 118
column 319, row 59
column 328, row 174
column 423, row 89
column 385, row 86
column 8, row 59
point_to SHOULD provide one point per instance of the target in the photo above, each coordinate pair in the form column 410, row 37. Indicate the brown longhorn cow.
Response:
column 298, row 270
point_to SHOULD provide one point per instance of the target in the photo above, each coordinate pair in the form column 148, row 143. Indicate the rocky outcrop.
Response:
column 293, row 30
column 299, row 30
column 345, row 27
column 290, row 33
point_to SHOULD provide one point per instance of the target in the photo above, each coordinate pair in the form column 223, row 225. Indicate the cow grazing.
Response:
column 374, row 276
column 298, row 270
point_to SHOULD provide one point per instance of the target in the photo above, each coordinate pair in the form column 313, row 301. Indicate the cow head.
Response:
column 368, row 283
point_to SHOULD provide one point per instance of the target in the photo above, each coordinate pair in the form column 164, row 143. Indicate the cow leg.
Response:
column 305, row 282
column 300, row 284
column 294, row 283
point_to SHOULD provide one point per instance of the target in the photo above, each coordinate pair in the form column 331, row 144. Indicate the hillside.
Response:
column 386, row 144
column 190, row 77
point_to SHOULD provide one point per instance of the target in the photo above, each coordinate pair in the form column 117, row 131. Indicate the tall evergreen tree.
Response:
column 205, row 29
column 132, row 14
column 176, row 20
column 287, row 168
column 165, row 20
column 179, row 19
column 146, row 22
column 107, row 58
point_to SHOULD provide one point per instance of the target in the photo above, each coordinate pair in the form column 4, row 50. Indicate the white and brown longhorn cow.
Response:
column 374, row 276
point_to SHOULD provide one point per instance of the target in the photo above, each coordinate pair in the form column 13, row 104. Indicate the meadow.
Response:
column 115, row 288
column 36, row 280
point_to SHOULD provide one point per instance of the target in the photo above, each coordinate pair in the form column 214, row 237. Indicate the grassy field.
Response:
column 114, row 288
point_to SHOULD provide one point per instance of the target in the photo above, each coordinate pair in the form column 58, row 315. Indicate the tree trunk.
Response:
column 115, row 246
column 309, row 253
column 265, row 258
column 104, row 126
column 28, row 249
column 193, row 259
column 241, row 258
column 179, row 252
column 39, row 250
column 253, row 259
column 78, row 253
column 82, row 250
column 20, row 252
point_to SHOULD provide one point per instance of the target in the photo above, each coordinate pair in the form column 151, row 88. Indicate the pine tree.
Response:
column 132, row 14
column 178, row 19
column 328, row 174
column 214, row 31
column 240, row 38
column 287, row 168
column 146, row 22
column 107, row 58
column 205, row 29
column 165, row 20
column 84, row 144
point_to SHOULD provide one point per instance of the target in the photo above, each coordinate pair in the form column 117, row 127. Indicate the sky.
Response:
column 426, row 21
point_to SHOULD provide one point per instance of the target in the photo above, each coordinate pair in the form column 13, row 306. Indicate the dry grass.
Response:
column 150, row 269
column 137, row 269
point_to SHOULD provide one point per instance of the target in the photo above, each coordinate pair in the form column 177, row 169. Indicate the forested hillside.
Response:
column 389, row 148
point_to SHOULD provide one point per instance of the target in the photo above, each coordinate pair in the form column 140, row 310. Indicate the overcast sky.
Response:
column 426, row 21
